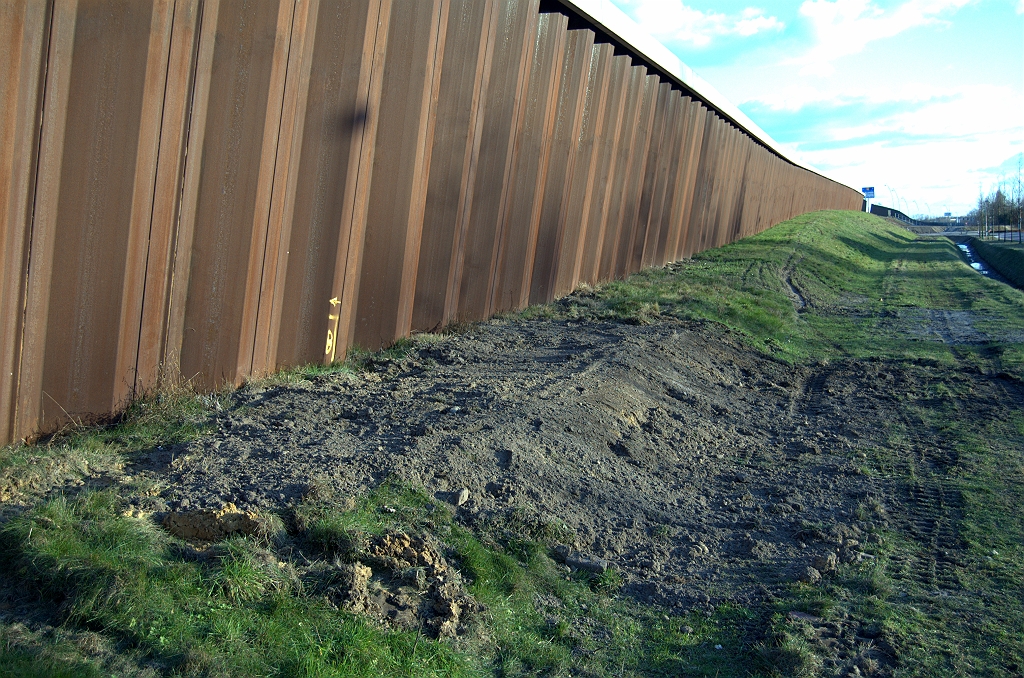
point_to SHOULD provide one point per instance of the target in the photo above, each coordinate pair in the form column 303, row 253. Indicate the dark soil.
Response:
column 701, row 470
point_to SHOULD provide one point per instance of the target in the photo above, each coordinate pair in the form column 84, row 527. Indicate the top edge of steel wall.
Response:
column 618, row 25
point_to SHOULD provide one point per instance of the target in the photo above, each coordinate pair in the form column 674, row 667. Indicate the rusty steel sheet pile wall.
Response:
column 206, row 190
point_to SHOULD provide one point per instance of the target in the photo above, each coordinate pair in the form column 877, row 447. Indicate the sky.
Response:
column 922, row 99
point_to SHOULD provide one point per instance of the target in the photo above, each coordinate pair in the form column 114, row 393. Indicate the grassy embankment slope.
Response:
column 1006, row 257
column 869, row 290
column 829, row 286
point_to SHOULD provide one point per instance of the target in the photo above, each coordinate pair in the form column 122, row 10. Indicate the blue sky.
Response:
column 922, row 99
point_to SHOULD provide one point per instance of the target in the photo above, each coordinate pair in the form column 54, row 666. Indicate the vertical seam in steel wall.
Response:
column 177, row 248
column 343, row 249
column 481, row 83
column 32, row 240
column 467, row 188
column 417, row 205
column 522, row 81
column 143, row 201
column 152, row 206
column 349, row 296
column 165, row 319
column 576, row 131
column 186, row 144
column 273, row 179
column 281, row 213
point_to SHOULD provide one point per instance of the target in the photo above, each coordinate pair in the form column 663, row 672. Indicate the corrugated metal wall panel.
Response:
column 555, row 221
column 629, row 229
column 609, row 112
column 520, row 224
column 390, row 230
column 227, row 188
column 93, row 209
column 584, row 163
column 655, row 176
column 627, row 132
column 24, row 37
column 167, row 192
column 510, row 49
column 223, row 187
column 456, row 145
column 318, row 203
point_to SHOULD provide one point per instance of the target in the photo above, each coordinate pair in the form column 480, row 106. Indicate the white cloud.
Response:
column 753, row 21
column 674, row 21
column 934, row 177
column 937, row 151
column 903, row 113
column 845, row 27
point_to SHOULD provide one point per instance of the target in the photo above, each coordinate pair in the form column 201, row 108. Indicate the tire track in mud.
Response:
column 795, row 295
column 929, row 512
column 932, row 508
column 932, row 519
column 812, row 390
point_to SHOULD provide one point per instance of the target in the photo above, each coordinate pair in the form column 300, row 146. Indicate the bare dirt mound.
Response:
column 699, row 469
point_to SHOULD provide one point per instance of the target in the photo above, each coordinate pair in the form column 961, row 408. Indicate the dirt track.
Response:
column 701, row 470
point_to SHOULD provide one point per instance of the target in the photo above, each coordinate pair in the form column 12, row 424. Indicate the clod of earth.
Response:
column 810, row 575
column 405, row 582
column 580, row 561
column 826, row 563
column 211, row 525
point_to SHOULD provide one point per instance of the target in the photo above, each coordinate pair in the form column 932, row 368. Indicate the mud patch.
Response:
column 949, row 327
column 700, row 471
column 850, row 648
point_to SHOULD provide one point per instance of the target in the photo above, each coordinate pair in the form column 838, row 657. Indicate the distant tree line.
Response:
column 1003, row 209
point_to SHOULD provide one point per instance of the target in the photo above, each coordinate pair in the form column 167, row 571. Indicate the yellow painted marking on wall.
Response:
column 332, row 330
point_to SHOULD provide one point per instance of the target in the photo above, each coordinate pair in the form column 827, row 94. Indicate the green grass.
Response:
column 1007, row 258
column 968, row 620
column 248, row 612
column 76, row 453
column 242, row 615
column 865, row 283
column 126, row 598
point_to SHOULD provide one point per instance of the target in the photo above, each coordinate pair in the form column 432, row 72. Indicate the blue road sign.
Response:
column 868, row 191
